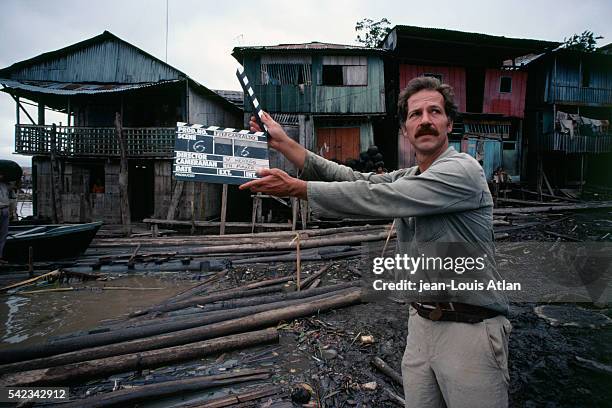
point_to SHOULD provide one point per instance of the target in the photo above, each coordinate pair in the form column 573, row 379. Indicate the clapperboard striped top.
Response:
column 248, row 89
column 218, row 131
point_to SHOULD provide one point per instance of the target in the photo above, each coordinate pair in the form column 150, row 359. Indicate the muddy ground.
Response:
column 550, row 366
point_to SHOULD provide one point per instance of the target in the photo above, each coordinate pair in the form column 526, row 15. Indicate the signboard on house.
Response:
column 218, row 155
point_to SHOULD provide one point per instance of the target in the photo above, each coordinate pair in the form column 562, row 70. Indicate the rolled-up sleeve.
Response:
column 447, row 186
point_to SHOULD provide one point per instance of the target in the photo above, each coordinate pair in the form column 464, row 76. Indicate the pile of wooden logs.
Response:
column 203, row 323
column 204, row 253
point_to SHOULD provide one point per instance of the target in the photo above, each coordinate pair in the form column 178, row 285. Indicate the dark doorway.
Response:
column 141, row 188
column 474, row 95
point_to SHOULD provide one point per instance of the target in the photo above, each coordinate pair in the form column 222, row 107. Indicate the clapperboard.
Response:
column 220, row 155
column 216, row 155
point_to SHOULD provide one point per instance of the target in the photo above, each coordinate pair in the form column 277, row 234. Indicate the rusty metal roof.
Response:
column 74, row 88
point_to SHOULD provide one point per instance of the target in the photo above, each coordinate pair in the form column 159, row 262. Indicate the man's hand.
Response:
column 279, row 141
column 277, row 183
column 278, row 137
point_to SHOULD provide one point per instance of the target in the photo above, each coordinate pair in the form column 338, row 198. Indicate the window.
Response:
column 437, row 76
column 285, row 74
column 505, row 85
column 332, row 75
column 344, row 70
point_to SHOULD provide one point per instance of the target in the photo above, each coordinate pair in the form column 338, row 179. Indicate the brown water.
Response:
column 30, row 319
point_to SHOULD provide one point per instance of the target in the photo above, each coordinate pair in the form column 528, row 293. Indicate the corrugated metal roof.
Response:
column 310, row 47
column 470, row 37
column 73, row 88
column 235, row 97
column 314, row 45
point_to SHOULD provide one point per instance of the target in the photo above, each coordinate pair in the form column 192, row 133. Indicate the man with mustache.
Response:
column 457, row 350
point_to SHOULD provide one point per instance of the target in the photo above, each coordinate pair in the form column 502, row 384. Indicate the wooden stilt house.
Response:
column 107, row 88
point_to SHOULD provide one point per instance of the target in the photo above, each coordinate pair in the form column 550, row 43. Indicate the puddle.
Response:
column 30, row 319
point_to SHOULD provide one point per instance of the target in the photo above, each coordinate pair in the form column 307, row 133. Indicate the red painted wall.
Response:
column 511, row 104
column 454, row 76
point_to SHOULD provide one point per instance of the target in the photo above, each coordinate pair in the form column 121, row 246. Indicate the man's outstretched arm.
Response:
column 314, row 167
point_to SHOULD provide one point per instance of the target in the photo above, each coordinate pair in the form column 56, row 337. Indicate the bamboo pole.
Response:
column 234, row 238
column 275, row 246
column 131, row 396
column 95, row 368
column 549, row 208
column 235, row 399
column 72, row 289
column 55, row 273
column 202, row 300
column 117, row 335
column 239, row 325
column 226, row 305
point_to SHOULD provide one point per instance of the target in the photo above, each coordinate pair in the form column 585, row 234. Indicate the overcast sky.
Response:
column 202, row 33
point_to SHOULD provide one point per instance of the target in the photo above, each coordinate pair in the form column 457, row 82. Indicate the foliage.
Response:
column 584, row 42
column 371, row 33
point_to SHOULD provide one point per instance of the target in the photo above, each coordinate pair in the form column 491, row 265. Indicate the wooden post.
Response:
column 30, row 262
column 539, row 176
column 176, row 196
column 56, row 185
column 256, row 211
column 223, row 210
column 17, row 109
column 548, row 186
column 259, row 209
column 68, row 113
column 41, row 113
column 303, row 212
column 294, row 212
column 193, row 225
column 298, row 262
column 581, row 172
column 20, row 106
column 123, row 176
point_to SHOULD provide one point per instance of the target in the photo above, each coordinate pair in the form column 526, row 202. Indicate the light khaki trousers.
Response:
column 456, row 365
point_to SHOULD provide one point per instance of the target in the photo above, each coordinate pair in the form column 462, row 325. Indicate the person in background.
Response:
column 4, row 213
column 97, row 187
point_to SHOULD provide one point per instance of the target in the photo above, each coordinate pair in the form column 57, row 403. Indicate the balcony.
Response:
column 564, row 142
column 74, row 141
column 579, row 95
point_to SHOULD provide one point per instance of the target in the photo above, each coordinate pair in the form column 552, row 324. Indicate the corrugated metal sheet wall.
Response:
column 454, row 76
column 507, row 103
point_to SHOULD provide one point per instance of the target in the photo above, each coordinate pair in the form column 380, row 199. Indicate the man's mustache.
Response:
column 426, row 130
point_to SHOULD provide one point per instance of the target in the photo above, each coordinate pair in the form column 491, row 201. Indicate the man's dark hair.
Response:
column 420, row 83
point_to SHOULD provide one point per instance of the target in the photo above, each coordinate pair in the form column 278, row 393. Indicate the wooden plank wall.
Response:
column 454, row 76
column 507, row 103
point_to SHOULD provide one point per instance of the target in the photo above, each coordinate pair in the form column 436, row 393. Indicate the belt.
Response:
column 453, row 312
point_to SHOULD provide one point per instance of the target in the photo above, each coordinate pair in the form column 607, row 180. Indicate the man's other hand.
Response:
column 277, row 183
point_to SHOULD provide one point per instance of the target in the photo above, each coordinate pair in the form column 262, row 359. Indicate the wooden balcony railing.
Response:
column 578, row 94
column 93, row 141
column 564, row 142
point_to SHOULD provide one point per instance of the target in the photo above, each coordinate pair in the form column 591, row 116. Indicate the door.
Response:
column 338, row 144
column 141, row 189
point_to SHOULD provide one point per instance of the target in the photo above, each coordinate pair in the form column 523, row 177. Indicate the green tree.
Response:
column 584, row 42
column 371, row 33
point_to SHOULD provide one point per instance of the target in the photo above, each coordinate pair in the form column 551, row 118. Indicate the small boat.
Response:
column 48, row 242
